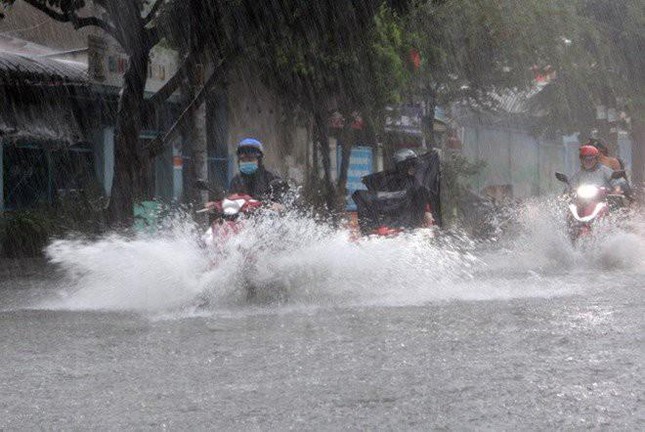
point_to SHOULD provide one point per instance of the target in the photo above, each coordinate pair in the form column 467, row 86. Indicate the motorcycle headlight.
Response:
column 587, row 191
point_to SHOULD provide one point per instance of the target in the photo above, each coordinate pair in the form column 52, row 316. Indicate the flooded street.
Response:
column 322, row 215
column 545, row 340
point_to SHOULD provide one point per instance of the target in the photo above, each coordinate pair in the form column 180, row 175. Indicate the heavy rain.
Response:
column 322, row 215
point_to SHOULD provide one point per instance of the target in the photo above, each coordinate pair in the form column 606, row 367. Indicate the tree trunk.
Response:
column 314, row 158
column 195, row 81
column 197, row 134
column 638, row 152
column 346, row 151
column 323, row 141
column 129, row 165
column 428, row 122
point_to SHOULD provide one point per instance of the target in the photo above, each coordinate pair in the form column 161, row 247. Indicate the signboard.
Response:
column 107, row 64
column 406, row 118
column 360, row 165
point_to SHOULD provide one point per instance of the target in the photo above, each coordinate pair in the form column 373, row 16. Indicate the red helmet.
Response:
column 588, row 150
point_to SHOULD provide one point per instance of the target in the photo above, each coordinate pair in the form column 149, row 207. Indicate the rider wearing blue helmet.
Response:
column 254, row 179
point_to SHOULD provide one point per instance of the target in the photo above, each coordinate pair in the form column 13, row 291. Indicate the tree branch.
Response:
column 171, row 85
column 158, row 144
column 50, row 12
column 76, row 21
column 79, row 23
column 152, row 36
column 153, row 12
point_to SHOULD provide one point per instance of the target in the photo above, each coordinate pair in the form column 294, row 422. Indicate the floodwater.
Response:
column 526, row 333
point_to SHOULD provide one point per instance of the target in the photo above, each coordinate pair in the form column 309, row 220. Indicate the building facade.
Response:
column 63, row 88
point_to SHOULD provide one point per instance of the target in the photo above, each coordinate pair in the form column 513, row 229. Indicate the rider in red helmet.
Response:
column 592, row 172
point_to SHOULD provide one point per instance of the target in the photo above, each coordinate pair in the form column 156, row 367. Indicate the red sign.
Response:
column 415, row 58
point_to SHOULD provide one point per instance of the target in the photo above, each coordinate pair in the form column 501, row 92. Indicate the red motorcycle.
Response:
column 588, row 205
column 227, row 220
column 229, row 211
column 230, row 214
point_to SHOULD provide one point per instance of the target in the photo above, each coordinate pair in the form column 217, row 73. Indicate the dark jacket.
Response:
column 257, row 185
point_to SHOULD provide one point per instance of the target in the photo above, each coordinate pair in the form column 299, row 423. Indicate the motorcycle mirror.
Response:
column 203, row 185
column 278, row 187
column 562, row 177
column 618, row 174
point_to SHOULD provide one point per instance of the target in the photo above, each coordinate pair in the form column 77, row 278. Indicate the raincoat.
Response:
column 600, row 176
column 257, row 185
column 399, row 200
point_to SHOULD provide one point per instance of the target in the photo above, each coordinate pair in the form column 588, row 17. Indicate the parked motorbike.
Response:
column 589, row 204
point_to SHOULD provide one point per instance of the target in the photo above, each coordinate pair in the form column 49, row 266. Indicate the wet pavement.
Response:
column 397, row 334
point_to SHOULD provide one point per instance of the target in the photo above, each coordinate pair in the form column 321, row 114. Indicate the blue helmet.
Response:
column 250, row 145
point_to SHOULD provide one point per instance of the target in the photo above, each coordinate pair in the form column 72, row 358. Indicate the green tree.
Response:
column 349, row 59
column 601, row 64
column 474, row 49
column 131, row 24
column 346, row 53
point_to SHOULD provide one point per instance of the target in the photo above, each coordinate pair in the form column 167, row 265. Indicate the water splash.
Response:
column 121, row 273
column 309, row 264
column 539, row 242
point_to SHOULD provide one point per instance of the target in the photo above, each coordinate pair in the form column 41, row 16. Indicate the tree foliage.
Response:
column 354, row 55
column 474, row 48
column 601, row 64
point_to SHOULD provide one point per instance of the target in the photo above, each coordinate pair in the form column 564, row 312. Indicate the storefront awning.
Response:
column 45, row 124
column 16, row 69
column 37, row 96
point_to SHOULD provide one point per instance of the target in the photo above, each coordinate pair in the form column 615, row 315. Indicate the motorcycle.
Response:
column 389, row 204
column 230, row 214
column 228, row 218
column 388, row 214
column 589, row 204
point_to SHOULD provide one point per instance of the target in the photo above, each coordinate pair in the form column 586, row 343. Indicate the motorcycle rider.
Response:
column 592, row 171
column 254, row 179
column 604, row 157
column 406, row 163
column 403, row 198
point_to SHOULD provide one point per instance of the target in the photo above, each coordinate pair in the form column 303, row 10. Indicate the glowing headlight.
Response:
column 587, row 191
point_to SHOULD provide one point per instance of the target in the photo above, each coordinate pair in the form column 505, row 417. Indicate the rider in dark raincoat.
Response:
column 254, row 179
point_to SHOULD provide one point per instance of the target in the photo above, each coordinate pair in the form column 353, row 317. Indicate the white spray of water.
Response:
column 119, row 273
column 310, row 264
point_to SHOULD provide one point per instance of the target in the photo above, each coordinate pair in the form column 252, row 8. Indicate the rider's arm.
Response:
column 620, row 185
column 611, row 183
column 573, row 182
column 427, row 216
column 237, row 185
